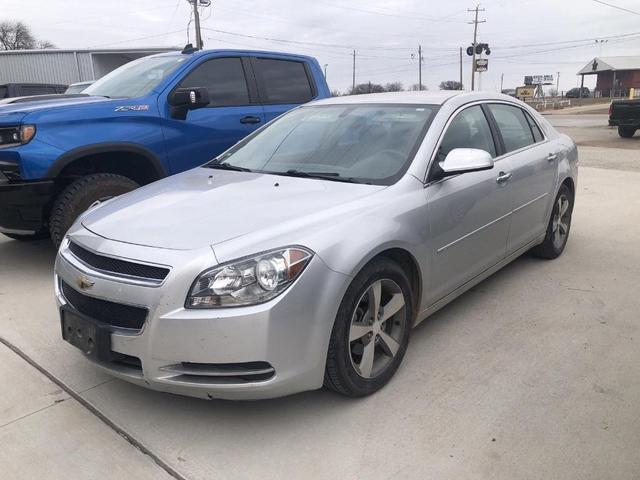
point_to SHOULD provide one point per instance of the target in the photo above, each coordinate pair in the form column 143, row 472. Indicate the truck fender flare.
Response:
column 72, row 155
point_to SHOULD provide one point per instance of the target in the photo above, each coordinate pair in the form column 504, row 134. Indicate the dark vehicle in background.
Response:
column 575, row 93
column 9, row 90
column 78, row 87
column 625, row 114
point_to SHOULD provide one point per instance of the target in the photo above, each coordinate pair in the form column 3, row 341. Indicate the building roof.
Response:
column 90, row 50
column 611, row 64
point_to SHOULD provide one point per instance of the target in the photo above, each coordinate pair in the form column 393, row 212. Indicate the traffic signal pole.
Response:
column 475, row 39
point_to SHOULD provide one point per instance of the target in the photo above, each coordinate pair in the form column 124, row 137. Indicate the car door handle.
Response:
column 503, row 177
column 552, row 157
column 250, row 119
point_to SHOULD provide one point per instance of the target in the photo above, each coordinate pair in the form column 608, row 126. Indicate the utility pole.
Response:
column 325, row 70
column 475, row 39
column 558, row 85
column 501, row 82
column 419, row 67
column 196, row 19
column 461, row 68
column 353, row 89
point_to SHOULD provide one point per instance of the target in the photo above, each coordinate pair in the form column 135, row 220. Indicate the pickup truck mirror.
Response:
column 181, row 100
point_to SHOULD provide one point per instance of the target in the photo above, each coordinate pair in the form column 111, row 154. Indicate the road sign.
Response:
column 526, row 92
column 482, row 64
column 538, row 80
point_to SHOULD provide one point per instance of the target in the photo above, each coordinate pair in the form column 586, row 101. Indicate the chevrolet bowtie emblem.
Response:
column 84, row 283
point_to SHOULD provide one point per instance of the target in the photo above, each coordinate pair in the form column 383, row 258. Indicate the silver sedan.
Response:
column 304, row 255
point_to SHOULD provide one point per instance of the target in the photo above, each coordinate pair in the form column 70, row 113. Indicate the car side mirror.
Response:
column 465, row 160
column 181, row 100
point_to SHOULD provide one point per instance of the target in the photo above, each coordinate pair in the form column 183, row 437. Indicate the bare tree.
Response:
column 416, row 87
column 18, row 36
column 335, row 93
column 366, row 88
column 450, row 85
column 394, row 87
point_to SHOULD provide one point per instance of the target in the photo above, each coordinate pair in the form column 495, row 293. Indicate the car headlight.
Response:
column 249, row 281
column 12, row 136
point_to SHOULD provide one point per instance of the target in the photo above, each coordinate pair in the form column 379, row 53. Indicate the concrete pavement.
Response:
column 532, row 374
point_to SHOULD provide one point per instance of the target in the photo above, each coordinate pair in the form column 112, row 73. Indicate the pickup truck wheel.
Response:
column 626, row 132
column 558, row 228
column 80, row 195
column 371, row 331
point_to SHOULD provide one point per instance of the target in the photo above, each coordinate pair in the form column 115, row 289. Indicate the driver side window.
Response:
column 225, row 80
column 469, row 129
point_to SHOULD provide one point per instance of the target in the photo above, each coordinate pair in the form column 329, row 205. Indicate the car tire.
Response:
column 28, row 237
column 559, row 226
column 348, row 370
column 80, row 195
column 626, row 132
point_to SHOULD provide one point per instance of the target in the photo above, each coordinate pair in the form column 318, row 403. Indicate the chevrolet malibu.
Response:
column 304, row 255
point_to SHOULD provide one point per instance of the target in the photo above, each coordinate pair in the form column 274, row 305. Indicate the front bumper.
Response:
column 261, row 351
column 23, row 205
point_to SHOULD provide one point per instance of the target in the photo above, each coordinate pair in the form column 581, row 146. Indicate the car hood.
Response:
column 54, row 103
column 203, row 207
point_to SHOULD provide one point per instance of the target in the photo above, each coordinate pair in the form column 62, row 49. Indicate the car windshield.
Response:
column 364, row 143
column 135, row 78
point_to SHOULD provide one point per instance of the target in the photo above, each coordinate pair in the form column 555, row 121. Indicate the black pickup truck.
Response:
column 625, row 114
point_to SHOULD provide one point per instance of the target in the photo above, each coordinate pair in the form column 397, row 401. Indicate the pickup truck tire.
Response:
column 626, row 132
column 80, row 195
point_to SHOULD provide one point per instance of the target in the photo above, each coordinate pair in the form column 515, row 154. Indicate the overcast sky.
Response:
column 525, row 35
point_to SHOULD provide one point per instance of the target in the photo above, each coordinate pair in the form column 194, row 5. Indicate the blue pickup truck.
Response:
column 150, row 118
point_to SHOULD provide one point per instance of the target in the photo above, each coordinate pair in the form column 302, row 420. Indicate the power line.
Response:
column 410, row 15
column 617, row 7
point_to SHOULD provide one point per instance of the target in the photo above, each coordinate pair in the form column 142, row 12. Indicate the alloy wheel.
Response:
column 561, row 221
column 377, row 328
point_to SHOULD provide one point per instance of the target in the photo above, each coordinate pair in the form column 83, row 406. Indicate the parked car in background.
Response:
column 78, row 87
column 150, row 118
column 625, row 114
column 305, row 254
column 576, row 93
column 9, row 90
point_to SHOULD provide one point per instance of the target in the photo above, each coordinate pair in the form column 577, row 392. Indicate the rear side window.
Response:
column 513, row 125
column 537, row 133
column 225, row 80
column 36, row 90
column 469, row 129
column 283, row 81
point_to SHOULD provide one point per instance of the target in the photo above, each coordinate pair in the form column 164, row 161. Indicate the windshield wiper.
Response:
column 332, row 176
column 227, row 166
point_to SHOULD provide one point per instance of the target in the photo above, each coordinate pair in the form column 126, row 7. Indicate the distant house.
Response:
column 66, row 66
column 616, row 75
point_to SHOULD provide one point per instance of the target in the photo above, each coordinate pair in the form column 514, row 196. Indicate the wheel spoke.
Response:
column 392, row 307
column 389, row 344
column 564, row 206
column 375, row 296
column 563, row 228
column 366, row 363
column 358, row 330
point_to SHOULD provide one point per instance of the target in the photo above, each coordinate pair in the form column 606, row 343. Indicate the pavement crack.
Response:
column 92, row 409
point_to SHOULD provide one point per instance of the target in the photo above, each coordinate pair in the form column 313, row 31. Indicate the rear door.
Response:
column 233, row 113
column 534, row 161
column 469, row 214
column 282, row 84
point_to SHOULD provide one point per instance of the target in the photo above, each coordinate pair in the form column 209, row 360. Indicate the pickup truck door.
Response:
column 534, row 160
column 283, row 84
column 232, row 114
column 469, row 214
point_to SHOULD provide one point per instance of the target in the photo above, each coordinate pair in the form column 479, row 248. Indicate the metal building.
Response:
column 65, row 66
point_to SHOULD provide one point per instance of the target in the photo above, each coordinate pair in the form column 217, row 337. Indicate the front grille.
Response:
column 9, row 171
column 116, row 266
column 110, row 313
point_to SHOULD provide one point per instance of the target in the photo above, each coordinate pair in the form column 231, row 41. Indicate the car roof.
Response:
column 231, row 51
column 419, row 98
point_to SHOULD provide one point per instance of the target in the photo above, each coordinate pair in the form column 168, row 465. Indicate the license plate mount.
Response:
column 86, row 334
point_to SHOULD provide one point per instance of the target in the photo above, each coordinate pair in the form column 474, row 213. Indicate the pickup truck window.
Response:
column 225, row 80
column 136, row 78
column 282, row 81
